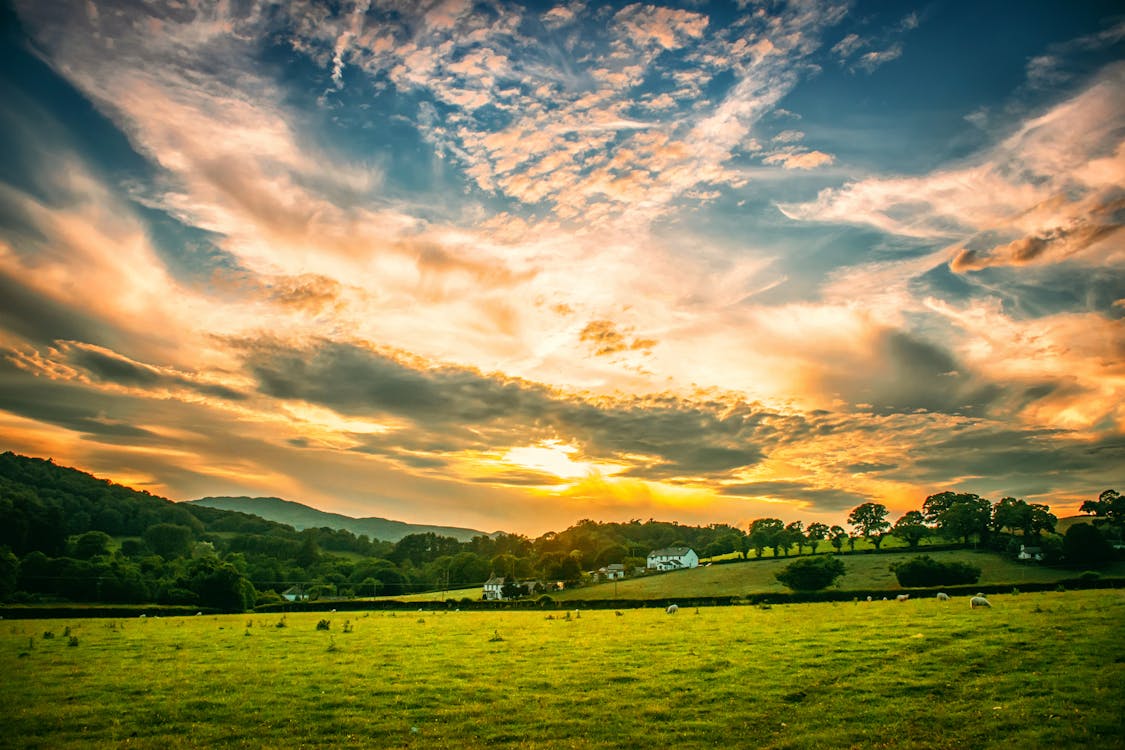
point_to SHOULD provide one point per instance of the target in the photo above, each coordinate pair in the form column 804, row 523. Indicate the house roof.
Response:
column 495, row 581
column 670, row 552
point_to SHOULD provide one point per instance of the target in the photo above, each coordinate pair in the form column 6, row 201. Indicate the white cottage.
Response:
column 673, row 558
column 494, row 588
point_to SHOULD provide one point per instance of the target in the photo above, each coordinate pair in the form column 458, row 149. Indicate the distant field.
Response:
column 1036, row 670
column 870, row 571
column 864, row 572
column 438, row 596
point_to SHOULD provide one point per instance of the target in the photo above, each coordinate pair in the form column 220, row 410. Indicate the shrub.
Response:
column 324, row 625
column 269, row 596
column 811, row 573
column 925, row 571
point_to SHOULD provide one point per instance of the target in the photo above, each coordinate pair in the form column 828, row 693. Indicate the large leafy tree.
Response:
column 1110, row 505
column 911, row 528
column 958, row 515
column 1039, row 519
column 838, row 535
column 766, row 532
column 1011, row 514
column 795, row 534
column 870, row 520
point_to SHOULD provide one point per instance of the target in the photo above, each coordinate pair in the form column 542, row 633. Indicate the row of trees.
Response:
column 953, row 516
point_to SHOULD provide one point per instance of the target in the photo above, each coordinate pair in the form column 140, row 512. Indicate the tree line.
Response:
column 65, row 534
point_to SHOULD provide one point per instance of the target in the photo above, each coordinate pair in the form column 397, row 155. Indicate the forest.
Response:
column 68, row 536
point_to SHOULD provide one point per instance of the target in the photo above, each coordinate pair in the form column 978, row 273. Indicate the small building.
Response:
column 1030, row 553
column 673, row 558
column 612, row 572
column 499, row 588
column 494, row 589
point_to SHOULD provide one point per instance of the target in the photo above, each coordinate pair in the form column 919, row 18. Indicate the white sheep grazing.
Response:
column 672, row 609
column 869, row 598
column 979, row 601
column 942, row 596
column 902, row 597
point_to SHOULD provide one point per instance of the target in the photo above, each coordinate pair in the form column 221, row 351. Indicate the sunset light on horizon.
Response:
column 508, row 265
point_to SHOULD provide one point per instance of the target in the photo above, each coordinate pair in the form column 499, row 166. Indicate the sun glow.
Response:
column 554, row 457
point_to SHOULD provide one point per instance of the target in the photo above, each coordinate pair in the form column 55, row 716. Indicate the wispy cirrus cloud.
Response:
column 531, row 123
column 1036, row 177
column 867, row 53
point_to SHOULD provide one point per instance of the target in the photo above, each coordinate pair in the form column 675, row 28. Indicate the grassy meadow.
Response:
column 863, row 572
column 1036, row 670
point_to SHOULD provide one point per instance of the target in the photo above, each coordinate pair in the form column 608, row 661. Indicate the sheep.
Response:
column 979, row 601
column 869, row 599
column 672, row 609
column 902, row 597
column 942, row 596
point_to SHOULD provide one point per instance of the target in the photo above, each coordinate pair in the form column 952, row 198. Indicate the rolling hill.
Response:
column 301, row 516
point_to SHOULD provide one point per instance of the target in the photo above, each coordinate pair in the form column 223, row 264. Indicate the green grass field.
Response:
column 1036, row 670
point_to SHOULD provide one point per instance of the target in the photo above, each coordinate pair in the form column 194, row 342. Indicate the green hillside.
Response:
column 301, row 517
column 864, row 571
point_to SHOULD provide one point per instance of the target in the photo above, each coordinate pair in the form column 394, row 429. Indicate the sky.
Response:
column 511, row 265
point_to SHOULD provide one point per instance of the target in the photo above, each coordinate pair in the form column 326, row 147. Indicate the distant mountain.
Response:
column 303, row 517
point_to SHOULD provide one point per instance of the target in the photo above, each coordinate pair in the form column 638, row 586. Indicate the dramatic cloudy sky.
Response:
column 510, row 265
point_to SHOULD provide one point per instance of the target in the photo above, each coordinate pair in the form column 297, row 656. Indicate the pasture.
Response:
column 1036, row 670
column 863, row 572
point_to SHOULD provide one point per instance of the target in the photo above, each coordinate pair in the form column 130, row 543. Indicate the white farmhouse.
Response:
column 494, row 588
column 673, row 558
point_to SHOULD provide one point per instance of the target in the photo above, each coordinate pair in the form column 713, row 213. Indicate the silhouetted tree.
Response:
column 795, row 534
column 816, row 533
column 1111, row 506
column 911, row 528
column 870, row 520
column 838, row 535
column 766, row 532
column 1085, row 545
column 958, row 515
